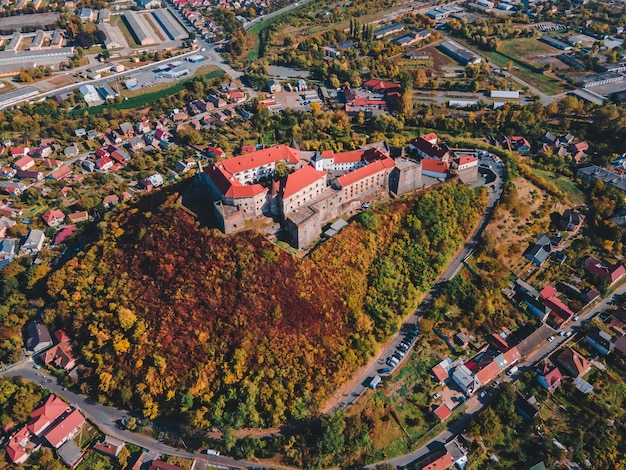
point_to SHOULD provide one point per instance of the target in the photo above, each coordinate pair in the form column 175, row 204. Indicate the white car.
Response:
column 551, row 338
column 436, row 395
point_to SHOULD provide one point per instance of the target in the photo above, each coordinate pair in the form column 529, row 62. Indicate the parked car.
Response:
column 436, row 395
column 384, row 370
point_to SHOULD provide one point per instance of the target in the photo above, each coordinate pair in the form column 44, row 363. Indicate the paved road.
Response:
column 353, row 394
column 106, row 418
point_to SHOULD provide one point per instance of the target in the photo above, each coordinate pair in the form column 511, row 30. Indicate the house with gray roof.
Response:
column 539, row 251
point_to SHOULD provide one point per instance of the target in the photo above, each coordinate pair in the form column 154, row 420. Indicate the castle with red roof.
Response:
column 319, row 186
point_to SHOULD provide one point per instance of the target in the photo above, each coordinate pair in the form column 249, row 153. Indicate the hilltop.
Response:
column 175, row 318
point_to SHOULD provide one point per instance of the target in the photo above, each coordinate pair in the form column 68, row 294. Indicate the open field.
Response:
column 574, row 194
column 526, row 48
column 548, row 84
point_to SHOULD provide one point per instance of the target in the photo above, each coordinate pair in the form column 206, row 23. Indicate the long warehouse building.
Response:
column 169, row 24
column 139, row 28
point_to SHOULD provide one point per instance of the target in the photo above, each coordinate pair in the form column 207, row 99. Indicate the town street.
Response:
column 107, row 418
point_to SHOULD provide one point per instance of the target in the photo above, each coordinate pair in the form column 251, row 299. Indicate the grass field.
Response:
column 510, row 52
column 574, row 194
column 140, row 98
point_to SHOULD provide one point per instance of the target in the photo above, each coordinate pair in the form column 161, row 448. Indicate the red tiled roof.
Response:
column 159, row 465
column 46, row 414
column 63, row 234
column 558, row 308
column 59, row 433
column 466, row 159
column 430, row 137
column 512, row 355
column 110, row 198
column 440, row 373
column 547, row 292
column 442, row 463
column 101, row 162
column 380, row 85
column 571, row 359
column 61, row 172
column 365, row 171
column 60, row 336
column 610, row 272
column 352, row 156
column 487, row 373
column 300, row 179
column 52, row 215
column 15, row 451
column 23, row 162
column 436, row 166
column 553, row 378
column 260, row 158
column 443, row 412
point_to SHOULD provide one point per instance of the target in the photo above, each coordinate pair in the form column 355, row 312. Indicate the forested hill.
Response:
column 174, row 318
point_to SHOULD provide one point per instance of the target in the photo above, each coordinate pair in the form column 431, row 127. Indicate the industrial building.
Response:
column 15, row 96
column 387, row 30
column 139, row 28
column 504, row 94
column 37, row 41
column 170, row 26
column 176, row 72
column 599, row 79
column 457, row 52
column 562, row 46
column 113, row 38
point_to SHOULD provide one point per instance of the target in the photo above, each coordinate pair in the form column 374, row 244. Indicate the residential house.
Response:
column 62, row 235
column 136, row 143
column 110, row 200
column 104, row 164
column 620, row 345
column 76, row 217
column 45, row 415
column 43, row 151
column 18, row 446
column 30, row 174
column 23, row 163
column 61, row 356
column 65, row 430
column 518, row 143
column 571, row 221
column 539, row 251
column 109, row 446
column 54, row 218
column 126, row 128
column 612, row 273
column 426, row 146
column 549, row 377
column 559, row 311
column 143, row 126
column 71, row 151
column 34, row 242
column 573, row 362
column 60, row 173
column 19, row 151
column 441, row 371
column 5, row 224
column 37, row 336
column 600, row 340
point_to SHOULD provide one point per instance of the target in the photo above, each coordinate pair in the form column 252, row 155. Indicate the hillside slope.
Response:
column 174, row 318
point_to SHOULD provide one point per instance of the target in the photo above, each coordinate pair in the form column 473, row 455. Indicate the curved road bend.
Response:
column 106, row 418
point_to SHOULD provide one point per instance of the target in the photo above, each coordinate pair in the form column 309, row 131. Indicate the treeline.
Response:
column 232, row 332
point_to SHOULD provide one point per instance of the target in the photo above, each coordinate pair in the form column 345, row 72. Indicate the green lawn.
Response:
column 574, row 194
column 509, row 52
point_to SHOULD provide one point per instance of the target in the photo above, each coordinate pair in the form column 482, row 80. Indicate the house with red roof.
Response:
column 60, row 173
column 573, row 362
column 110, row 200
column 366, row 179
column 60, row 356
column 48, row 413
column 23, row 163
column 109, row 446
column 443, row 412
column 560, row 312
column 54, row 218
column 104, row 163
column 65, row 429
column 549, row 377
column 62, row 235
column 19, row 151
column 612, row 273
column 18, row 446
column 76, row 217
